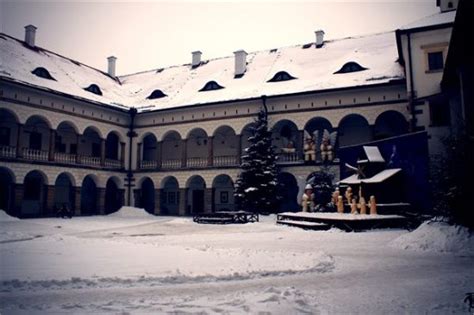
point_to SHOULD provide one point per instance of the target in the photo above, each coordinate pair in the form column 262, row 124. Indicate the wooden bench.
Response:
column 226, row 217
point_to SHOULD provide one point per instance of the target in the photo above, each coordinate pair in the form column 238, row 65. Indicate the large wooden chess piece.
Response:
column 354, row 207
column 307, row 199
column 309, row 149
column 373, row 205
column 335, row 196
column 340, row 205
column 348, row 195
column 362, row 205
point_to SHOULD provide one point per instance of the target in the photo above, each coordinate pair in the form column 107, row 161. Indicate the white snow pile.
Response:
column 433, row 236
column 131, row 212
column 4, row 217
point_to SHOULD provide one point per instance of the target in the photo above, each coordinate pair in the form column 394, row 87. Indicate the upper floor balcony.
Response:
column 316, row 142
column 36, row 141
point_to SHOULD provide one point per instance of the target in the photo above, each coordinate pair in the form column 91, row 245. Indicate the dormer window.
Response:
column 210, row 86
column 43, row 73
column 350, row 66
column 156, row 94
column 93, row 88
column 281, row 76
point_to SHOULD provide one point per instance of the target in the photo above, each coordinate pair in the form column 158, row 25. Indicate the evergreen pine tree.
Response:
column 255, row 188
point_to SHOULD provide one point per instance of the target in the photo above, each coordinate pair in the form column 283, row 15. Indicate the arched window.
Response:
column 93, row 88
column 211, row 85
column 281, row 76
column 156, row 94
column 43, row 73
column 350, row 66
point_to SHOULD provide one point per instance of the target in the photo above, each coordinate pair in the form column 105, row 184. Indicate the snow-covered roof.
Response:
column 377, row 178
column 313, row 69
column 435, row 19
column 373, row 154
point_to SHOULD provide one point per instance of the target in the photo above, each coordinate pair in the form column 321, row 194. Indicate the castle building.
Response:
column 170, row 139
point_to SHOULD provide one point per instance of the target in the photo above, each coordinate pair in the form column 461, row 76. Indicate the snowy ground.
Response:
column 132, row 262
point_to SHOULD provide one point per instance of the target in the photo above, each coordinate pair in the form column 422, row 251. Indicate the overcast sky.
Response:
column 149, row 35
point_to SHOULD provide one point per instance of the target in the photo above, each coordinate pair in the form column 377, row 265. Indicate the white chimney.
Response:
column 111, row 65
column 196, row 58
column 30, row 34
column 240, row 62
column 319, row 38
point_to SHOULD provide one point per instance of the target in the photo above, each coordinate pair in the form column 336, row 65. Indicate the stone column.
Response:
column 122, row 154
column 78, row 143
column 239, row 149
column 122, row 197
column 101, row 200
column 52, row 144
column 18, row 198
column 300, row 144
column 102, row 152
column 77, row 201
column 209, row 200
column 182, row 207
column 19, row 152
column 157, row 201
column 139, row 155
column 184, row 152
column 159, row 155
column 137, row 197
column 210, row 151
column 50, row 190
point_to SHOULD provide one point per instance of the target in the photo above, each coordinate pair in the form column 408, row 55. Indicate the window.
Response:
column 435, row 60
column 156, row 94
column 211, row 85
column 4, row 136
column 43, row 73
column 439, row 113
column 281, row 76
column 350, row 66
column 93, row 88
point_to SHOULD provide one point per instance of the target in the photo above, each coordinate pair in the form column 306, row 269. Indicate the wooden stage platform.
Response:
column 344, row 221
column 226, row 217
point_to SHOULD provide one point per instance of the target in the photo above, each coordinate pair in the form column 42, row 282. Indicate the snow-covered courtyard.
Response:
column 132, row 262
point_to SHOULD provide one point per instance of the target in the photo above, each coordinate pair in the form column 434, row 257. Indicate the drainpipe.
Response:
column 264, row 103
column 131, row 134
column 412, row 91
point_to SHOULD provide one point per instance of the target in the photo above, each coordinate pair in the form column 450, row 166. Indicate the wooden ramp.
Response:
column 344, row 221
column 226, row 217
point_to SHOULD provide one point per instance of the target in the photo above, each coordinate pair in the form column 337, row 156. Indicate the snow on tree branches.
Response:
column 255, row 188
